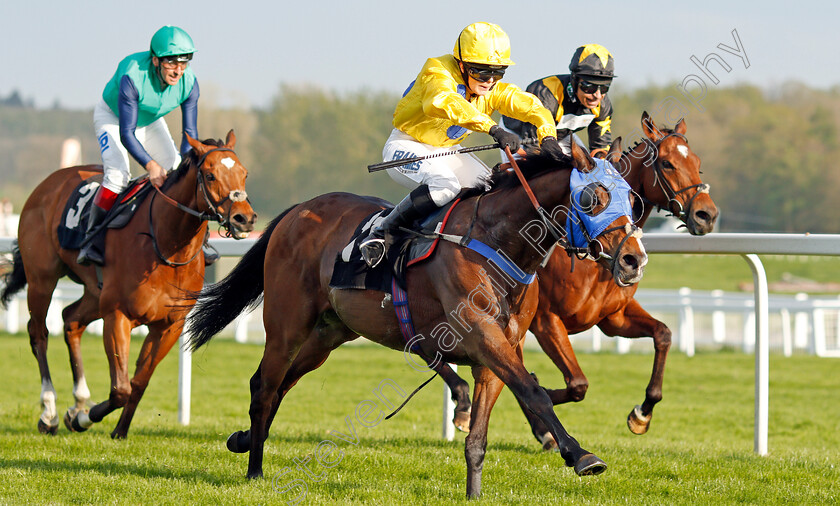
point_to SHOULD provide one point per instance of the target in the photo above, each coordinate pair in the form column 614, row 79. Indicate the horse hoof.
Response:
column 590, row 465
column 638, row 423
column 240, row 442
column 462, row 421
column 118, row 435
column 44, row 428
column 71, row 421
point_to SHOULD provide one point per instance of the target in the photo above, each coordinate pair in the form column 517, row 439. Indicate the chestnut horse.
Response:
column 149, row 265
column 664, row 171
column 305, row 319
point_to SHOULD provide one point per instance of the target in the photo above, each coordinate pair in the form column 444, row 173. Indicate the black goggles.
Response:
column 177, row 58
column 588, row 87
column 483, row 74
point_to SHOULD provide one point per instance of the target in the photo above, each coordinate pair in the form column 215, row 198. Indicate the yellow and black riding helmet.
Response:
column 592, row 63
column 484, row 48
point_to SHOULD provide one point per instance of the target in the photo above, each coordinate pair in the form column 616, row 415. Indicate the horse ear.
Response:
column 680, row 128
column 614, row 154
column 199, row 148
column 230, row 141
column 583, row 161
column 650, row 129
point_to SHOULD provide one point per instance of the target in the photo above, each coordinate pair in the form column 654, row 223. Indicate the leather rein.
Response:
column 203, row 216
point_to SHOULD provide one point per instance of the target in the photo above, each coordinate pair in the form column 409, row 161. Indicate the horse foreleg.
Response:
column 553, row 338
column 486, row 391
column 76, row 318
column 505, row 364
column 159, row 341
column 460, row 391
column 117, row 340
column 635, row 322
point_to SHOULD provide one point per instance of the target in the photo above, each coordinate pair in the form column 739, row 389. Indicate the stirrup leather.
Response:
column 372, row 250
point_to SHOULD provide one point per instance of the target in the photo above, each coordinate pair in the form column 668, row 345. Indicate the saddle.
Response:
column 406, row 248
column 74, row 219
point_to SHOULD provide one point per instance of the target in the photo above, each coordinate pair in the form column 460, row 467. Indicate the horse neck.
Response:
column 174, row 228
column 552, row 192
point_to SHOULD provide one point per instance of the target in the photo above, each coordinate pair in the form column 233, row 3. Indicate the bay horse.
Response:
column 664, row 171
column 305, row 319
column 149, row 265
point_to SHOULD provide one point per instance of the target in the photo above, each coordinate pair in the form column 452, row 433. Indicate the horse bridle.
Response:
column 203, row 216
column 631, row 230
column 674, row 205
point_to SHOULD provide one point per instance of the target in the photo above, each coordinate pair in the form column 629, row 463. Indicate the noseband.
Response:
column 659, row 179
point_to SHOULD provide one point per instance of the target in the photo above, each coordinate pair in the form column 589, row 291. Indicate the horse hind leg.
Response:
column 487, row 389
column 312, row 354
column 287, row 327
column 460, row 391
column 38, row 300
column 76, row 317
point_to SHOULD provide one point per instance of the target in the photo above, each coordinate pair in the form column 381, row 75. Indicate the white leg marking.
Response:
column 81, row 393
column 49, row 416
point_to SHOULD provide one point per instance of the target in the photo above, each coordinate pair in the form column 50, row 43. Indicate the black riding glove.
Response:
column 505, row 138
column 552, row 148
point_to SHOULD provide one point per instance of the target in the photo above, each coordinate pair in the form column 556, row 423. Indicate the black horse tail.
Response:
column 15, row 279
column 220, row 303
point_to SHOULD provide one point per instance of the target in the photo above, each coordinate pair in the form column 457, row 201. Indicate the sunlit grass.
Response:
column 699, row 449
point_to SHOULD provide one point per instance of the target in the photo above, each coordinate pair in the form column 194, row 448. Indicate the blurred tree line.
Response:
column 770, row 156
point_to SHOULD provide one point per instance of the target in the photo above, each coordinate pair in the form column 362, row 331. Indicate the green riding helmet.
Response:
column 172, row 41
column 595, row 62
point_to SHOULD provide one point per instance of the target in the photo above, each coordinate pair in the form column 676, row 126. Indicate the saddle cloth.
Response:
column 406, row 249
column 74, row 219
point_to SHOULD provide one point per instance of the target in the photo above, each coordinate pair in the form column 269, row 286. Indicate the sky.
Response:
column 65, row 52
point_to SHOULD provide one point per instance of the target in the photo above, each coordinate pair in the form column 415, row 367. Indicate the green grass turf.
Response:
column 699, row 449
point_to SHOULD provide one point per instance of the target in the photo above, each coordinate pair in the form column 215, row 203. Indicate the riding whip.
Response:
column 406, row 161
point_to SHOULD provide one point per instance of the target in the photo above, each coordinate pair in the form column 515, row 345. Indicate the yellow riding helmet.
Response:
column 484, row 44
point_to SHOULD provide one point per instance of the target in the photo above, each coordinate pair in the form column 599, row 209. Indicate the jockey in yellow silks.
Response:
column 453, row 96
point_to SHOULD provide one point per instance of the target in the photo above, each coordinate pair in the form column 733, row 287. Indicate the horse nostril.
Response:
column 630, row 261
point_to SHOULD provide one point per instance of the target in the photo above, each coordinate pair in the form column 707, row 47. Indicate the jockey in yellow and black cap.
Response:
column 453, row 96
column 578, row 100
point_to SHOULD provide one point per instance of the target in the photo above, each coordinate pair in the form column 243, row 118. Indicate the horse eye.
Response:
column 209, row 176
column 667, row 165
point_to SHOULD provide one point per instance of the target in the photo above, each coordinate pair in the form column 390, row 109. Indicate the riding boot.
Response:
column 90, row 253
column 416, row 205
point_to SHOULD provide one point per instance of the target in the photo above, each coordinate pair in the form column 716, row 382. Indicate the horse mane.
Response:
column 666, row 131
column 187, row 162
column 535, row 165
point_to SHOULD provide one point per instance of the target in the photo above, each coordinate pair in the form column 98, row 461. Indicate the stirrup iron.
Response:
column 372, row 250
